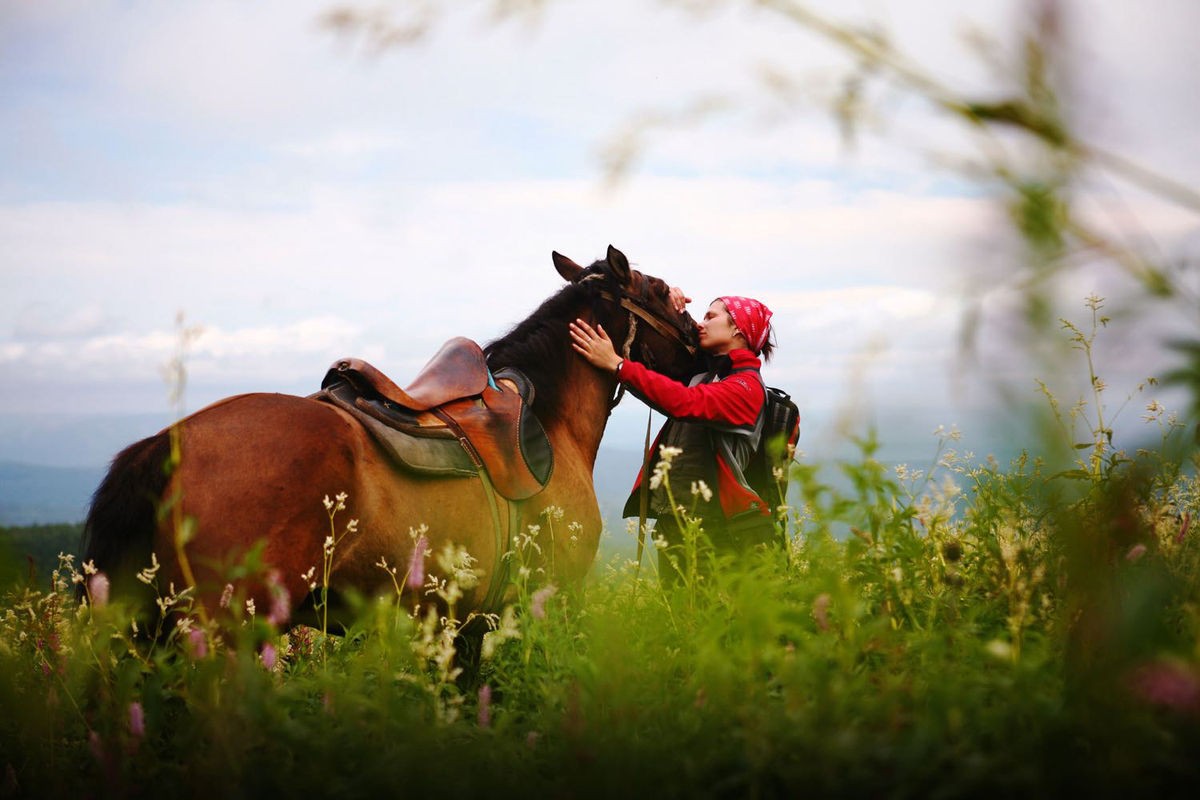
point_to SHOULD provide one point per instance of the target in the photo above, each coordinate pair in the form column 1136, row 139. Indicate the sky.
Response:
column 299, row 195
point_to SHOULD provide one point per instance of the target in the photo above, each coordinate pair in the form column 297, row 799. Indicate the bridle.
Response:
column 637, row 312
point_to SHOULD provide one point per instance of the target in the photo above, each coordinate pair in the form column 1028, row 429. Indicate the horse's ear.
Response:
column 566, row 267
column 619, row 265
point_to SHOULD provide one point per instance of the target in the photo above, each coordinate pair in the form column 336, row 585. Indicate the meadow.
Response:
column 967, row 627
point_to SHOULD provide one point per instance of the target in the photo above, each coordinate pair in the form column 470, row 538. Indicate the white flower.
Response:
column 226, row 595
column 701, row 488
column 146, row 576
column 250, row 606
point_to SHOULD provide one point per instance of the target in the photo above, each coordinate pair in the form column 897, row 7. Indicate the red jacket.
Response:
column 736, row 400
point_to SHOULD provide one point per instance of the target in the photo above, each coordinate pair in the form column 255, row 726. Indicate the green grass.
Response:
column 1024, row 634
column 973, row 628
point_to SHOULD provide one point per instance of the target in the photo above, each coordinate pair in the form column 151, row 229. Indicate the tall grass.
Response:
column 983, row 627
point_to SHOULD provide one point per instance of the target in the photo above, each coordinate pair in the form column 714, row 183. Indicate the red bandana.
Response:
column 751, row 317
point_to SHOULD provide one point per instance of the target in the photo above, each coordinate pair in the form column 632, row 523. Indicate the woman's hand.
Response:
column 679, row 299
column 594, row 345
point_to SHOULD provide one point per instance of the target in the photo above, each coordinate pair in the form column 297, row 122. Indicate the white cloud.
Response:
column 263, row 352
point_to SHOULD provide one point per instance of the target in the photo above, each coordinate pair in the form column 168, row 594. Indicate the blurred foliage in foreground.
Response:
column 1019, row 628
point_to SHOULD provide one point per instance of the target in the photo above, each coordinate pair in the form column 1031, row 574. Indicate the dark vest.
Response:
column 700, row 443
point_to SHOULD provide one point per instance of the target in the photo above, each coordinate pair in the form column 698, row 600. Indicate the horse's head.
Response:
column 636, row 311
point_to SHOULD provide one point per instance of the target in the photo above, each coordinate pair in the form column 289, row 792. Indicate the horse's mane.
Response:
column 540, row 345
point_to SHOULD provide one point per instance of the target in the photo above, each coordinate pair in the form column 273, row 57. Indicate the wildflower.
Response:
column 98, row 588
column 137, row 720
column 89, row 567
column 1135, row 552
column 506, row 629
column 1168, row 683
column 267, row 654
column 999, row 649
column 328, row 503
column 666, row 454
column 416, row 564
column 146, row 576
column 537, row 606
column 701, row 488
column 281, row 605
column 197, row 643
column 485, row 705
column 820, row 611
column 352, row 526
column 250, row 606
column 329, row 543
column 307, row 577
column 226, row 595
column 1183, row 528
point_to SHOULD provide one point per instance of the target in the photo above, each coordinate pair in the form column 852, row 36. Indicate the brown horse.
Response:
column 254, row 468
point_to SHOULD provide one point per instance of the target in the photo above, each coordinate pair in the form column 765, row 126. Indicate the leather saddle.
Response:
column 454, row 419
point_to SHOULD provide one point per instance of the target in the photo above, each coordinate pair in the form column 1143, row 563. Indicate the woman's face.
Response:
column 717, row 332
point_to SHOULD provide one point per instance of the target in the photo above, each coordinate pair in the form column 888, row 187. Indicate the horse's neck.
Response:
column 582, row 410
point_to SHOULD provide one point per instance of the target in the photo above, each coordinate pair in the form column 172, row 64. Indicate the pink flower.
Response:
column 485, row 705
column 268, row 655
column 1135, row 552
column 137, row 720
column 281, row 601
column 416, row 565
column 820, row 611
column 537, row 606
column 198, row 643
column 1167, row 683
column 98, row 589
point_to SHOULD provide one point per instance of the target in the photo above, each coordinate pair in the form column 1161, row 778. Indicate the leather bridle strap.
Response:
column 669, row 331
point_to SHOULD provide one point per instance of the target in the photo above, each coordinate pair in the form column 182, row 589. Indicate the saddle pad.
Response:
column 423, row 450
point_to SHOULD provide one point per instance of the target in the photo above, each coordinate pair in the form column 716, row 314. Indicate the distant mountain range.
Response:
column 32, row 494
column 51, row 465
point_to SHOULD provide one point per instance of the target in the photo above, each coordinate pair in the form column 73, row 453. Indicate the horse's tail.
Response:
column 119, row 532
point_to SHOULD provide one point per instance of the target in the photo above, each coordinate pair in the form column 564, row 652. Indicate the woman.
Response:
column 715, row 422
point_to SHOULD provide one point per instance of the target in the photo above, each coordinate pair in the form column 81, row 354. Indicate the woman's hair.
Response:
column 768, row 348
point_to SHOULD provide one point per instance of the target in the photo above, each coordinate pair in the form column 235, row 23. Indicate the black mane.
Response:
column 540, row 345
